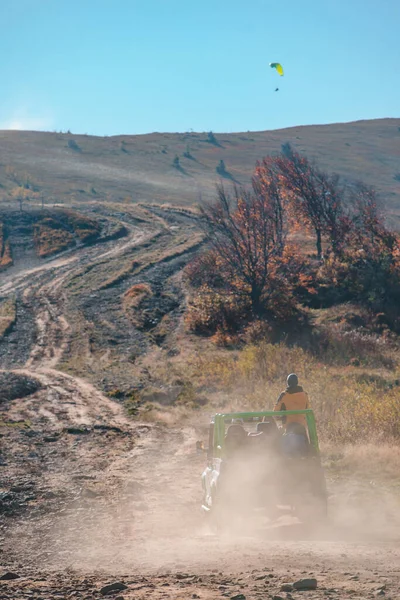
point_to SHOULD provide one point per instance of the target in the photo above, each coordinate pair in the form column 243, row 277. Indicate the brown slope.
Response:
column 140, row 166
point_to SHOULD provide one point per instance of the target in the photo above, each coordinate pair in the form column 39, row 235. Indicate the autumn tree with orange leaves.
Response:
column 248, row 269
column 245, row 232
column 313, row 197
column 251, row 269
column 368, row 222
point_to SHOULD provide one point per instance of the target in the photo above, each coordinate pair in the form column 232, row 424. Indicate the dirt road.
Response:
column 119, row 503
column 89, row 497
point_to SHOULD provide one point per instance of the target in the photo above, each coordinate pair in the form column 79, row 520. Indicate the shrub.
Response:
column 135, row 295
column 72, row 144
column 224, row 339
column 370, row 277
column 220, row 168
column 187, row 153
column 258, row 331
column 8, row 316
column 5, row 249
column 49, row 241
column 209, row 310
column 85, row 228
column 6, row 259
column 336, row 345
column 211, row 139
column 132, row 300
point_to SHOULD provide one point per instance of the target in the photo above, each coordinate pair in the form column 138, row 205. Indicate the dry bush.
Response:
column 258, row 331
column 135, row 295
column 209, row 310
column 223, row 339
column 253, row 366
column 165, row 327
column 8, row 316
column 87, row 235
column 57, row 232
column 5, row 249
column 216, row 304
column 338, row 345
column 49, row 241
column 132, row 300
column 369, row 412
column 6, row 259
column 85, row 228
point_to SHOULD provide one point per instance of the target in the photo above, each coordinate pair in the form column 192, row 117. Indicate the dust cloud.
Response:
column 150, row 518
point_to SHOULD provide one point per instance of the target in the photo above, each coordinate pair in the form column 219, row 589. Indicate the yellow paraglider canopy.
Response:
column 277, row 66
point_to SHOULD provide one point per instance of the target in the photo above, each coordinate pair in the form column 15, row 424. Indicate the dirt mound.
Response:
column 16, row 386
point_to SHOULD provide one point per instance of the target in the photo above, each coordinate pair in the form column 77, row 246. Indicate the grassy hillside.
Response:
column 64, row 167
column 114, row 311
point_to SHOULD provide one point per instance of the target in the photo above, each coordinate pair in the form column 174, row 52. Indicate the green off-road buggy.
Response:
column 256, row 465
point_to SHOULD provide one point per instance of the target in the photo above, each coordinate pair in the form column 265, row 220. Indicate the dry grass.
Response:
column 61, row 230
column 361, row 150
column 373, row 460
column 190, row 211
column 86, row 229
column 5, row 250
column 8, row 315
column 349, row 404
column 49, row 241
column 120, row 276
column 351, row 334
column 6, row 259
column 148, row 259
column 132, row 300
column 352, row 405
column 133, row 297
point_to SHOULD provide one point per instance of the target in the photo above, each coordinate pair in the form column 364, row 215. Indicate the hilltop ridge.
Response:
column 69, row 168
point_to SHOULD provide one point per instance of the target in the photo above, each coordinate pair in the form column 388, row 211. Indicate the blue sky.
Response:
column 106, row 67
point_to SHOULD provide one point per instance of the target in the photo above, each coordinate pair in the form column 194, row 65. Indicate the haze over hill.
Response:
column 68, row 167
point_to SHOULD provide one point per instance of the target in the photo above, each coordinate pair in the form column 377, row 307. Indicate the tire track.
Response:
column 43, row 289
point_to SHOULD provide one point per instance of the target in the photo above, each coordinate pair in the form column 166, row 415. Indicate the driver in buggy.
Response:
column 294, row 439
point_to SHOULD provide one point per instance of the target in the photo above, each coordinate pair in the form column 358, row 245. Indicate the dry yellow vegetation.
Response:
column 132, row 299
column 351, row 404
column 5, row 250
column 50, row 241
column 8, row 315
column 56, row 233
